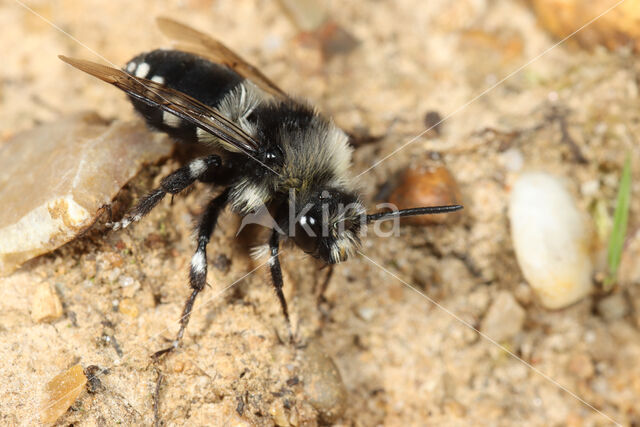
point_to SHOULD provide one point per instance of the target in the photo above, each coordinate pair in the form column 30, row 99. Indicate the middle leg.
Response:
column 198, row 267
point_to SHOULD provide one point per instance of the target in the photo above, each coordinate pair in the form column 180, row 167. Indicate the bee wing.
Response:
column 190, row 40
column 172, row 101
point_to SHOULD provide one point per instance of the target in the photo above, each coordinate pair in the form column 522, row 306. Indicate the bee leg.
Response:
column 198, row 268
column 276, row 277
column 172, row 184
column 325, row 284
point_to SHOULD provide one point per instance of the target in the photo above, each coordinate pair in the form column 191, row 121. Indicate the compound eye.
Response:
column 306, row 236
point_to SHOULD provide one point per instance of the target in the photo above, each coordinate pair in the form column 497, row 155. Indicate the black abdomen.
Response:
column 190, row 74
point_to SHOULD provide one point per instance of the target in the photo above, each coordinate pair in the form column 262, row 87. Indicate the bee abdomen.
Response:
column 203, row 80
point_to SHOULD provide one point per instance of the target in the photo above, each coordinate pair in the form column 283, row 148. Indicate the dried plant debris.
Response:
column 61, row 392
column 613, row 27
column 54, row 180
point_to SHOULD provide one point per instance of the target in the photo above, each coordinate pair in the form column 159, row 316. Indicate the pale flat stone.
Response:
column 45, row 304
column 55, row 178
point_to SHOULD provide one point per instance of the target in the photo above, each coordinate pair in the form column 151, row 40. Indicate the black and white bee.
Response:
column 276, row 152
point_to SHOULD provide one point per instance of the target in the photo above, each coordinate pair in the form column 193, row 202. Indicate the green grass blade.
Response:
column 620, row 218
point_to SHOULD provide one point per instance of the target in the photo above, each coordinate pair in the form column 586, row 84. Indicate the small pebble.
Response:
column 613, row 307
column 512, row 159
column 366, row 313
column 307, row 15
column 590, row 188
column 629, row 271
column 128, row 307
column 425, row 186
column 504, row 319
column 454, row 408
column 581, row 365
column 61, row 392
column 322, row 383
column 125, row 281
column 222, row 263
column 45, row 304
column 551, row 240
column 278, row 414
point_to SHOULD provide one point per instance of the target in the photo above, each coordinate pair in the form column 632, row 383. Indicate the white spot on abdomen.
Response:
column 171, row 120
column 158, row 79
column 142, row 70
column 131, row 66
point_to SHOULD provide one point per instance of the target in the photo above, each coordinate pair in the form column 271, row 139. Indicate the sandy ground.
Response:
column 403, row 359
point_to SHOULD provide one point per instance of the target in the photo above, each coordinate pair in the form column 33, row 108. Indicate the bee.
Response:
column 275, row 152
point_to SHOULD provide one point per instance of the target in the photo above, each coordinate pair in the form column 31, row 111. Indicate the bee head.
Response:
column 329, row 225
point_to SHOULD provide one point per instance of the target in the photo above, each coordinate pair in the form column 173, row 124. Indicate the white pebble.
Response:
column 125, row 281
column 366, row 313
column 512, row 159
column 590, row 188
column 551, row 240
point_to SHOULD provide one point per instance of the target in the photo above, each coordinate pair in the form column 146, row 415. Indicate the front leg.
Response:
column 276, row 276
column 172, row 184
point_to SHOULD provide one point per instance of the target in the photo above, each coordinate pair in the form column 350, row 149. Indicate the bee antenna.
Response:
column 429, row 210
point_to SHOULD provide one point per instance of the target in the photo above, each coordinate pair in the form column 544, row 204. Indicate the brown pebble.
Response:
column 45, row 304
column 178, row 366
column 426, row 186
column 61, row 392
column 113, row 259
